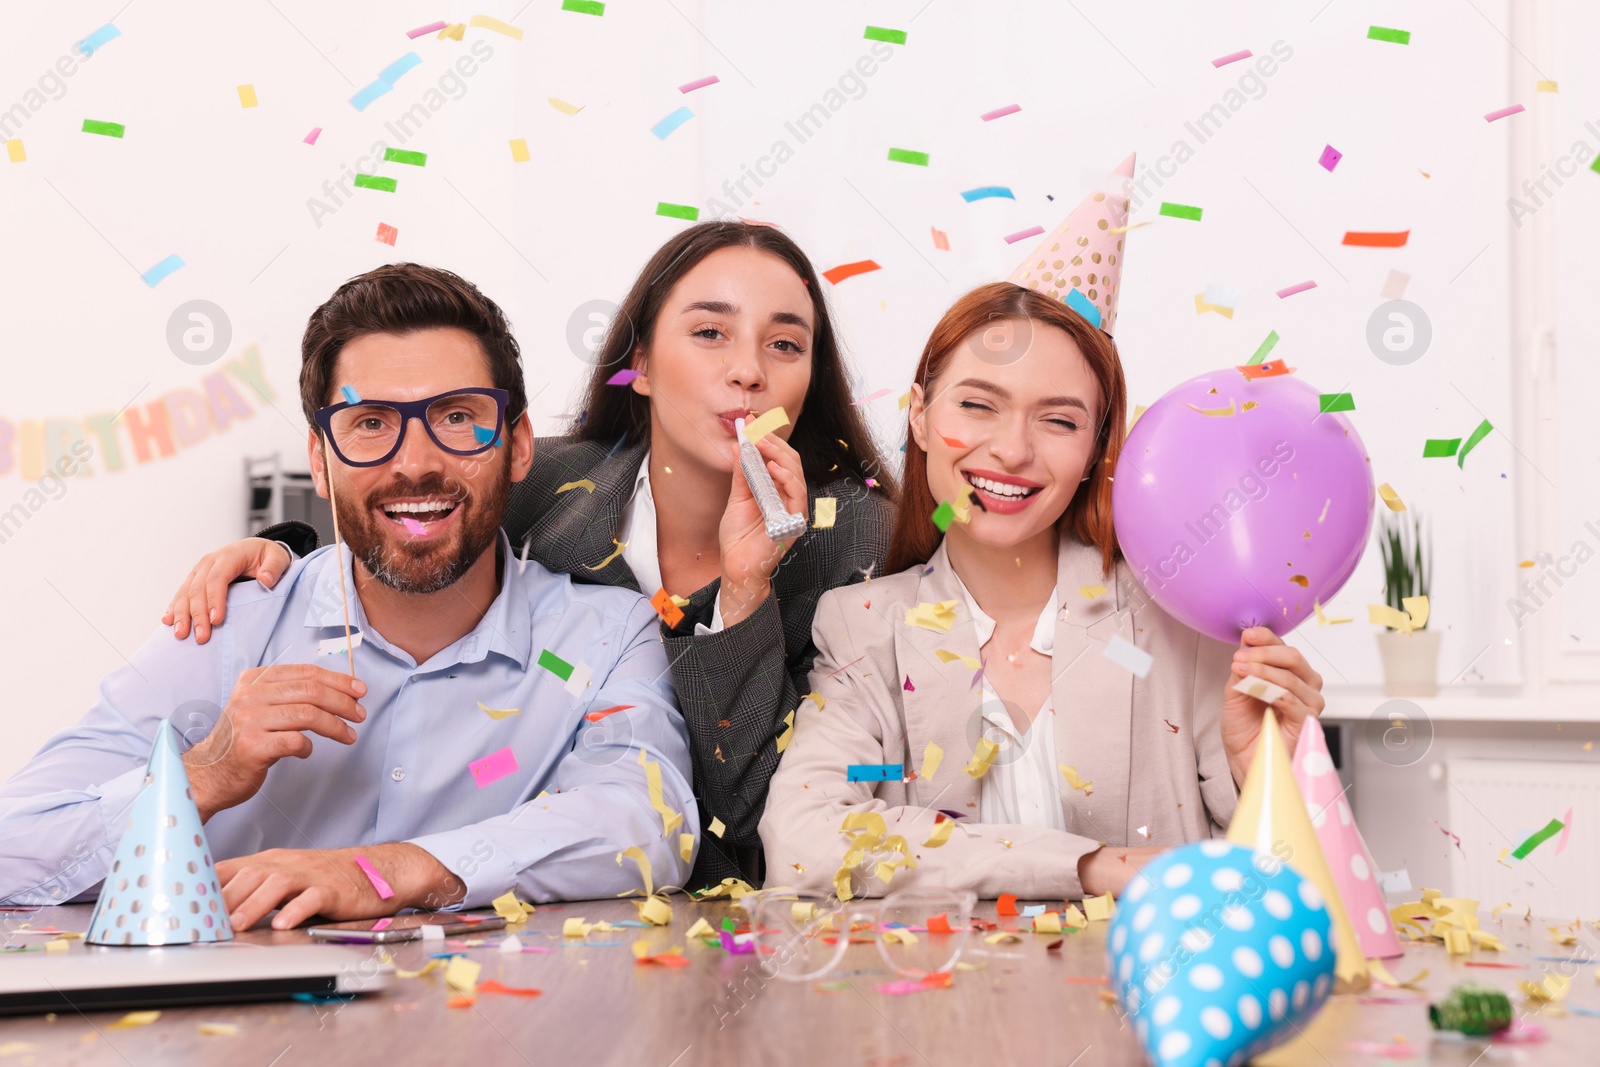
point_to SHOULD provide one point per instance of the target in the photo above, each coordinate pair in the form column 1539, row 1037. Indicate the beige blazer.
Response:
column 1110, row 725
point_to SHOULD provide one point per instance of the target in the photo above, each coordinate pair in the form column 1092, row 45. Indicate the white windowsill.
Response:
column 1351, row 703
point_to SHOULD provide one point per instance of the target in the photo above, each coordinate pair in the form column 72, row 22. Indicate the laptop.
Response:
column 101, row 978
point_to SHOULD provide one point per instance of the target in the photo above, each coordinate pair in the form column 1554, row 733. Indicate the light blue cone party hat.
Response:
column 162, row 888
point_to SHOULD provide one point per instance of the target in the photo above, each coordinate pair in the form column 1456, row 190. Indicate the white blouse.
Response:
column 1021, row 786
column 639, row 552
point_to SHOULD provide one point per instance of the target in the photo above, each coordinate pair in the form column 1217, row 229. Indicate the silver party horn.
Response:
column 782, row 525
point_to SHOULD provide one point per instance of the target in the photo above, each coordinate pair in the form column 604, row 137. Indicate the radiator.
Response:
column 1496, row 804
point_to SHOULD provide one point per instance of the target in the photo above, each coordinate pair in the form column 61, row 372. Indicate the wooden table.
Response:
column 600, row 1007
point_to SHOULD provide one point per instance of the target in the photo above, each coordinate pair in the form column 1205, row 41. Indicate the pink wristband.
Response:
column 374, row 877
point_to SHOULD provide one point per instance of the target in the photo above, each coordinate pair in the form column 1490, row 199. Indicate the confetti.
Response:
column 1293, row 289
column 869, row 398
column 350, row 395
column 15, row 152
column 422, row 31
column 664, row 128
column 1000, row 112
column 484, row 22
column 1503, row 112
column 133, row 1019
column 510, row 908
column 765, row 423
column 987, row 192
column 907, row 155
column 874, row 772
column 1543, row 86
column 716, row 829
column 670, row 820
column 1381, row 33
column 1440, row 447
column 689, row 87
column 838, row 274
column 678, row 211
column 1394, row 286
column 311, row 138
column 155, row 274
column 1091, row 592
column 982, row 756
column 455, row 31
column 1265, row 347
column 825, row 513
column 1023, row 235
column 788, row 733
column 519, row 150
column 1083, row 306
column 1263, row 690
column 498, row 713
column 376, row 181
column 596, row 716
column 247, row 95
column 387, row 234
column 584, row 7
column 908, row 686
column 1391, row 498
column 1128, row 656
column 88, row 46
column 104, row 129
column 1253, row 371
column 1099, row 909
column 1549, row 830
column 563, row 107
column 1232, row 57
column 1330, row 158
column 1472, row 442
column 379, row 885
column 385, row 81
column 879, row 33
column 493, row 767
column 555, row 664
column 582, row 483
column 622, row 377
column 405, row 156
column 1071, row 774
column 218, row 1029
column 1395, row 239
column 946, row 656
column 1181, row 211
column 493, row 985
column 940, row 240
column 1331, row 402
column 1566, row 828
column 669, row 612
column 461, row 974
column 943, row 515
column 938, row 617
column 1201, row 307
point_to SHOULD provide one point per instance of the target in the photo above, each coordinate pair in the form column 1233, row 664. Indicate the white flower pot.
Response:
column 1410, row 662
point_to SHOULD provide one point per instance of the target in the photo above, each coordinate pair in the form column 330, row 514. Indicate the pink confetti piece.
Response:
column 1330, row 158
column 622, row 377
column 689, row 87
column 1232, row 58
column 493, row 767
column 879, row 395
column 1000, row 112
column 415, row 528
column 1566, row 828
column 383, row 923
column 1293, row 289
column 1023, row 235
column 736, row 948
column 311, row 138
column 1503, row 112
column 387, row 234
column 432, row 27
column 940, row 240
column 374, row 877
column 909, row 687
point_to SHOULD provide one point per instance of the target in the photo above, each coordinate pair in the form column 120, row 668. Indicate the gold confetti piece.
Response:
column 802, row 911
column 1125, row 229
column 1323, row 620
column 1071, row 775
column 686, row 847
column 1048, row 923
column 899, row 936
column 1231, row 409
column 870, row 821
column 219, row 1029
column 135, row 1018
column 818, row 699
column 564, row 107
column 656, row 911
column 1090, row 592
column 1457, row 943
column 498, row 713
column 461, row 974
column 788, row 732
column 1549, row 989
column 932, row 756
column 701, row 928
column 1417, row 608
column 765, row 423
column 247, row 95
column 669, row 818
column 940, row 617
column 1263, row 690
column 1387, row 616
column 1545, row 86
column 1139, row 409
column 946, row 656
column 602, row 564
column 487, row 23
column 905, row 401
column 717, row 827
column 1381, row 975
column 1391, row 498
column 455, row 32
column 432, row 965
column 841, row 884
column 1004, row 937
column 576, row 927
column 1096, row 909
column 512, row 910
column 941, row 832
column 582, row 483
column 55, row 945
column 825, row 513
column 519, row 150
column 982, row 757
column 1073, row 919
column 15, row 152
column 1301, row 580
column 1201, row 307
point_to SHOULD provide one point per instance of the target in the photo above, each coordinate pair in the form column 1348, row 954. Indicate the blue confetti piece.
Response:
column 875, row 772
column 665, row 127
column 95, row 40
column 1031, row 910
column 386, row 79
column 985, row 192
column 483, row 436
column 155, row 274
column 350, row 395
column 1083, row 306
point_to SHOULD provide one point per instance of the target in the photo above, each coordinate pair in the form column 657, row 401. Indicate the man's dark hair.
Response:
column 401, row 298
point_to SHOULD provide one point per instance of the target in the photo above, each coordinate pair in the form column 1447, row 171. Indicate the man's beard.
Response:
column 424, row 565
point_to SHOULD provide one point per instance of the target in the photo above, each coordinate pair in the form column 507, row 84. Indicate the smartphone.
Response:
column 406, row 927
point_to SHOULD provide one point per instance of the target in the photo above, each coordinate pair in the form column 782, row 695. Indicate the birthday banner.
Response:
column 143, row 431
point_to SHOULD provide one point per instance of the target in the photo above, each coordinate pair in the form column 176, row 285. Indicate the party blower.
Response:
column 1243, row 499
column 782, row 524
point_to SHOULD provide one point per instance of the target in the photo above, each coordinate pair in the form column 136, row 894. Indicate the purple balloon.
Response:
column 1232, row 521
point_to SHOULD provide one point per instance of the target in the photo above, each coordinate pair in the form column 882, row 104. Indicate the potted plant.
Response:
column 1410, row 656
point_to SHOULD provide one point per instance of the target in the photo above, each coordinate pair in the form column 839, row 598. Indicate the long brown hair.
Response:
column 830, row 435
column 1088, row 516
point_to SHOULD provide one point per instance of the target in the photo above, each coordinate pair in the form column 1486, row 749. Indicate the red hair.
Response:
column 1088, row 516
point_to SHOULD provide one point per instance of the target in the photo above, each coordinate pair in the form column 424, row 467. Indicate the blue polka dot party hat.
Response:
column 162, row 888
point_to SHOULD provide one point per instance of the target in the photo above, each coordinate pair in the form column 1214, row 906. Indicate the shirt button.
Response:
column 398, row 774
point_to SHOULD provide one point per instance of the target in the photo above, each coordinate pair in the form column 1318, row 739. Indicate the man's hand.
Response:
column 263, row 723
column 1262, row 654
column 203, row 597
column 328, row 882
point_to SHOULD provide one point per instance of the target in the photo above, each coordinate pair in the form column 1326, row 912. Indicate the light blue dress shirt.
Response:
column 406, row 777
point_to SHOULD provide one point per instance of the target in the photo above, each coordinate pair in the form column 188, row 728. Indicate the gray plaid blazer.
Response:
column 735, row 687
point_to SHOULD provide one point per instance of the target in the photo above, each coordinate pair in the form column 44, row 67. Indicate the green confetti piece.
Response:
column 1266, row 346
column 1181, row 211
column 1383, row 33
column 1336, row 402
column 906, row 155
column 1549, row 830
column 1472, row 442
column 678, row 211
column 944, row 515
column 401, row 155
column 1595, row 166
column 555, row 664
column 1435, row 447
column 104, row 129
column 878, row 33
column 584, row 7
column 728, row 924
column 373, row 181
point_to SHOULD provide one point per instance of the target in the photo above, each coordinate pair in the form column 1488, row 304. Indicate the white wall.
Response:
column 87, row 575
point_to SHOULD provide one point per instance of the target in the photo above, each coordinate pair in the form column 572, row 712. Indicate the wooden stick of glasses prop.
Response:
column 338, row 551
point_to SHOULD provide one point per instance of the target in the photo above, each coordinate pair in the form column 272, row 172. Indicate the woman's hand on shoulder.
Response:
column 749, row 556
column 203, row 597
column 1263, row 654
